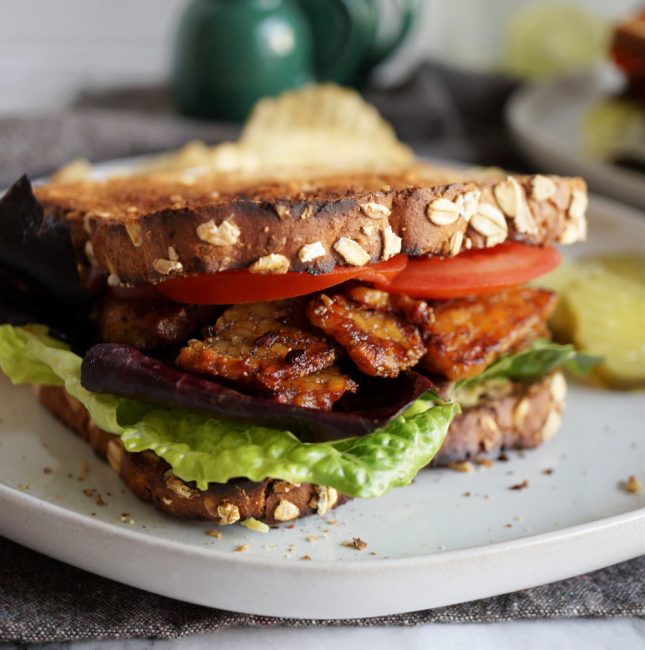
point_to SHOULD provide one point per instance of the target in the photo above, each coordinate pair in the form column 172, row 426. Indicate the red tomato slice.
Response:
column 473, row 272
column 234, row 287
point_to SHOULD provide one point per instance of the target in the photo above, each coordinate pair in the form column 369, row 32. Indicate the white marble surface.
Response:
column 590, row 634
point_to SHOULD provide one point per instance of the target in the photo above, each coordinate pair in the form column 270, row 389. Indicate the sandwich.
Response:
column 627, row 49
column 614, row 126
column 268, row 350
column 261, row 344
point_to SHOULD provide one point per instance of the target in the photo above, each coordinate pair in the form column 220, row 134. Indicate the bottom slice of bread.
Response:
column 523, row 418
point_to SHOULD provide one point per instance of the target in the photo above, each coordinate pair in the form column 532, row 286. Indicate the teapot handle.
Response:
column 357, row 21
column 379, row 51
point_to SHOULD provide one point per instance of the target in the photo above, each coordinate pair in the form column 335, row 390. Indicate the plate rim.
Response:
column 603, row 176
column 9, row 493
column 357, row 578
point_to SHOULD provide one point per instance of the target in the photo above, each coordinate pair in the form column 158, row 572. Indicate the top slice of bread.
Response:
column 147, row 229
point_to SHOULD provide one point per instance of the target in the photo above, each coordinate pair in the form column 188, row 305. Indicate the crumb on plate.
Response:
column 632, row 485
column 356, row 543
column 465, row 466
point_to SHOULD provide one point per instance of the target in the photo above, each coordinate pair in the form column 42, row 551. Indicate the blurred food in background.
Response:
column 614, row 129
column 321, row 129
column 592, row 122
column 628, row 52
column 547, row 39
column 318, row 127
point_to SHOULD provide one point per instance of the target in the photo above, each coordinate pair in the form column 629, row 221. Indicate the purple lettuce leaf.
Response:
column 39, row 279
column 123, row 370
column 38, row 245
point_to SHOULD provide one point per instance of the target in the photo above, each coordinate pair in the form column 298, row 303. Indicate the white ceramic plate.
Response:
column 449, row 537
column 546, row 121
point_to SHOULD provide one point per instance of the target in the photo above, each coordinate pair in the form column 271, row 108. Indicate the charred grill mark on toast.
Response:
column 468, row 334
column 379, row 342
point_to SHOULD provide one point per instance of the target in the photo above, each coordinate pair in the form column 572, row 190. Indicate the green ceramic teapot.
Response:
column 230, row 53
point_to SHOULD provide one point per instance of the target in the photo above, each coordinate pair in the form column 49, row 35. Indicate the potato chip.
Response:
column 75, row 170
column 197, row 159
column 311, row 130
column 323, row 126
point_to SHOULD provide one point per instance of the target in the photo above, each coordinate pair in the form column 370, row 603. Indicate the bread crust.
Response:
column 142, row 230
column 524, row 418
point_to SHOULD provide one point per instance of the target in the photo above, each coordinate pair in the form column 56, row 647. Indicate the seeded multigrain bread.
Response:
column 142, row 229
column 151, row 479
column 523, row 417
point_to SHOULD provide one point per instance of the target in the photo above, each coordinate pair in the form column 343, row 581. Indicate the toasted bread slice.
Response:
column 524, row 417
column 148, row 229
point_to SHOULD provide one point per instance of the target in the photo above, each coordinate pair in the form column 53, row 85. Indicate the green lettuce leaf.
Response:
column 19, row 362
column 528, row 365
column 205, row 449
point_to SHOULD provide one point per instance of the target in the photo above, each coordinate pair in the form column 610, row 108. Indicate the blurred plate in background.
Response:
column 546, row 121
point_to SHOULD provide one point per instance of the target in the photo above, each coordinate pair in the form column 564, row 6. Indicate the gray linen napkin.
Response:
column 45, row 600
column 40, row 143
column 441, row 114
